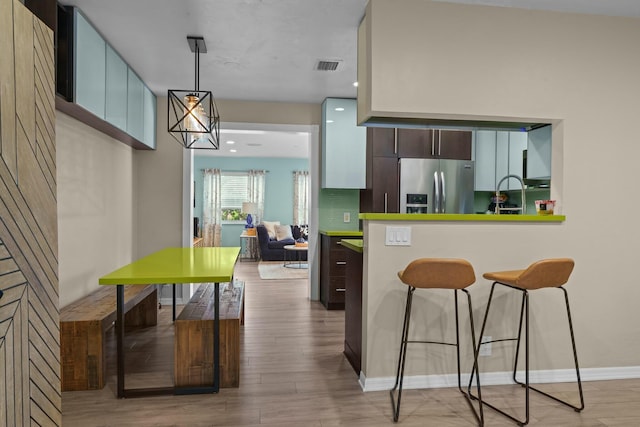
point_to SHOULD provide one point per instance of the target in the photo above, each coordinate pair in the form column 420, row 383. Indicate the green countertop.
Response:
column 353, row 244
column 177, row 265
column 350, row 233
column 461, row 217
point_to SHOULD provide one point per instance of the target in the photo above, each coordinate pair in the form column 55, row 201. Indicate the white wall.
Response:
column 95, row 206
column 580, row 72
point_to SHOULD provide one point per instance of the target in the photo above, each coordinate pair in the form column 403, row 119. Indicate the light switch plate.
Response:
column 346, row 217
column 397, row 236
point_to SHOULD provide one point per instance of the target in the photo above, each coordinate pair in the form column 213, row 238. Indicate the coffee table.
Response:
column 298, row 262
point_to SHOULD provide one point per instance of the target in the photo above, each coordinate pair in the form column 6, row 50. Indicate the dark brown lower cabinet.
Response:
column 332, row 272
column 353, row 310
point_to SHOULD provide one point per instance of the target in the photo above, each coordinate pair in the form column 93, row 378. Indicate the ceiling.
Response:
column 261, row 50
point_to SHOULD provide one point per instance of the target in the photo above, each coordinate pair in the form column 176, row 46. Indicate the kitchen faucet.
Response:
column 523, row 208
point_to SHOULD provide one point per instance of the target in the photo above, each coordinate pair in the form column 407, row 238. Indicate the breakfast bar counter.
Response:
column 489, row 242
column 461, row 217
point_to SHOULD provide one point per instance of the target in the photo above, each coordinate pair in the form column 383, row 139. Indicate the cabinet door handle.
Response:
column 395, row 141
column 433, row 143
column 340, row 290
column 341, row 262
column 385, row 202
column 439, row 142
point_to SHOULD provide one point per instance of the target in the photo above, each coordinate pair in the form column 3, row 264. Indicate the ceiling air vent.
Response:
column 327, row 65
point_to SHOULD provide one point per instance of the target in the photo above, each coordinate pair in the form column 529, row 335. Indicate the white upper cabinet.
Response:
column 135, row 106
column 107, row 87
column 90, row 70
column 485, row 158
column 539, row 153
column 517, row 144
column 343, row 145
column 149, row 118
column 498, row 154
column 116, row 84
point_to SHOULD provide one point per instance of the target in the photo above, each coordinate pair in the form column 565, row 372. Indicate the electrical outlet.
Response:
column 346, row 217
column 485, row 348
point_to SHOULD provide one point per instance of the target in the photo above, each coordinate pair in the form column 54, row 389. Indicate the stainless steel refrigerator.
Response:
column 448, row 184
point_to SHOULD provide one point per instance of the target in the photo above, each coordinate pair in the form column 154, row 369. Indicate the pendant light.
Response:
column 193, row 117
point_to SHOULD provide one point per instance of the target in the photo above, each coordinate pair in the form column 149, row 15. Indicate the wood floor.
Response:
column 293, row 373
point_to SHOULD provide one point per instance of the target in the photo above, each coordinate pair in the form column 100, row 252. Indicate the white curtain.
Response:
column 301, row 197
column 212, row 208
column 256, row 192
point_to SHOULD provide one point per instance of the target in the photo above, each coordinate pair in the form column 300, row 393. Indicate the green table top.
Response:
column 177, row 265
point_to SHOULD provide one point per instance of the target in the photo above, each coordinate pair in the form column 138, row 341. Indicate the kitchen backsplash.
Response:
column 333, row 204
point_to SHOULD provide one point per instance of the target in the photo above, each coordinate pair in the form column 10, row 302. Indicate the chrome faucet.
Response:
column 523, row 208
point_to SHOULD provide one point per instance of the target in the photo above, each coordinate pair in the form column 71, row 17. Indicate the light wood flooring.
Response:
column 293, row 373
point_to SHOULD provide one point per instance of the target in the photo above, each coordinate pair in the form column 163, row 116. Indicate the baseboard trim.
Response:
column 499, row 378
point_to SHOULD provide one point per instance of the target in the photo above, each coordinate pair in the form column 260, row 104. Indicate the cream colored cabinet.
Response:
column 344, row 145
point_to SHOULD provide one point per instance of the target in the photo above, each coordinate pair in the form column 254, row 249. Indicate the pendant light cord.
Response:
column 197, row 66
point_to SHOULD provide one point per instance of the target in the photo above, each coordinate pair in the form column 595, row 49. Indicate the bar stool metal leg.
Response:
column 435, row 273
column 524, row 318
column 479, row 415
column 395, row 405
column 575, row 360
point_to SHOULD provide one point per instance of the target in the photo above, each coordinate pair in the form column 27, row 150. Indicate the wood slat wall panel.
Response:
column 24, row 70
column 23, row 254
column 4, row 387
column 7, row 88
column 29, row 317
column 44, row 335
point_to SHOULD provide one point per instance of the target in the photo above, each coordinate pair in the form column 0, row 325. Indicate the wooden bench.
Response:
column 83, row 324
column 193, row 341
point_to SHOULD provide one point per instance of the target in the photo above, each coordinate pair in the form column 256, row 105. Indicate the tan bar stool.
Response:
column 435, row 273
column 547, row 273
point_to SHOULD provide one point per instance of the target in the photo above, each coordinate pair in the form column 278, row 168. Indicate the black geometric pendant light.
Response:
column 193, row 117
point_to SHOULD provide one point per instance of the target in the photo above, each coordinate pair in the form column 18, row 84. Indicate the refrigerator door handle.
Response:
column 436, row 192
column 443, row 194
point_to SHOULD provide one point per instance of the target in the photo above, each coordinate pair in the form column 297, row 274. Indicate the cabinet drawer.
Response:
column 337, row 290
column 337, row 268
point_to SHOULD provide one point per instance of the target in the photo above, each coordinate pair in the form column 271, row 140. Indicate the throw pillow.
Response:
column 283, row 232
column 271, row 228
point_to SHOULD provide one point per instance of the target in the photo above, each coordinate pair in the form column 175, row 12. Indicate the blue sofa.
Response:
column 272, row 249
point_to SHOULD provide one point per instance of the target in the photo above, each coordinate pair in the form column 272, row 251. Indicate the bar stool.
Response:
column 547, row 273
column 435, row 273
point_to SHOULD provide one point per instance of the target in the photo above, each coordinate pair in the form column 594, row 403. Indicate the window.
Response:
column 235, row 190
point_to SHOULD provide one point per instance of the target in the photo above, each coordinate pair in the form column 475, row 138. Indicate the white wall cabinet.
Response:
column 116, row 90
column 498, row 154
column 89, row 67
column 344, row 145
column 539, row 153
column 149, row 118
column 135, row 106
column 107, row 87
